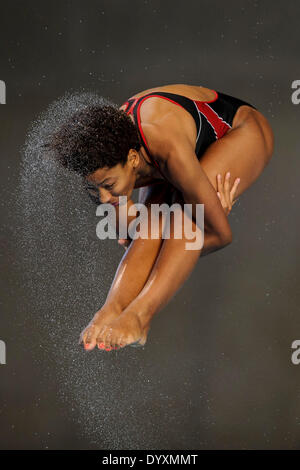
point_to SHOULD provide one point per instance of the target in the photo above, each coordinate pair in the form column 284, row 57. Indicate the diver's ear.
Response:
column 133, row 158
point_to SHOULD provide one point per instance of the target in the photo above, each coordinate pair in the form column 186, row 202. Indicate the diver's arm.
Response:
column 178, row 162
column 123, row 219
column 137, row 263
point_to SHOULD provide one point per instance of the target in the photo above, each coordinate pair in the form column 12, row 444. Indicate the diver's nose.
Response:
column 104, row 195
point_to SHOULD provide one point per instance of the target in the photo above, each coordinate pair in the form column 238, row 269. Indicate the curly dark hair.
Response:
column 94, row 137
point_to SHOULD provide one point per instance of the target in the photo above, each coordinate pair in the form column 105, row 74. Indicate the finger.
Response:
column 234, row 188
column 227, row 189
column 222, row 187
column 221, row 191
column 221, row 200
column 227, row 181
column 219, row 183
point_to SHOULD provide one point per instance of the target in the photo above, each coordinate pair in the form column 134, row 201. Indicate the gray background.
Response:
column 216, row 372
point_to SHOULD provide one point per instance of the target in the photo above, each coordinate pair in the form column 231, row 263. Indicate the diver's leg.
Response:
column 244, row 152
column 172, row 267
column 133, row 270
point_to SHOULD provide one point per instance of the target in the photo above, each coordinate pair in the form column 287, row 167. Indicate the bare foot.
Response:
column 130, row 328
column 103, row 317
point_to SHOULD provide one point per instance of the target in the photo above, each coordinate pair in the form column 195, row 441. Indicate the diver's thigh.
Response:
column 243, row 152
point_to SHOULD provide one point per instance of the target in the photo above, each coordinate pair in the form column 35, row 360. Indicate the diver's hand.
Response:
column 225, row 194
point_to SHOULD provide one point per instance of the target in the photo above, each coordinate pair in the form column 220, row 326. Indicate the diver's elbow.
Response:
column 225, row 239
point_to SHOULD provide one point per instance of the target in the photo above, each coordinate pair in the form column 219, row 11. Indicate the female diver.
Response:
column 176, row 147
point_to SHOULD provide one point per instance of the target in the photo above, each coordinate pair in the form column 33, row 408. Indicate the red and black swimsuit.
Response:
column 213, row 118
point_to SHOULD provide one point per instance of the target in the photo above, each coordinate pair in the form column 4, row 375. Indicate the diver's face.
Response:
column 108, row 184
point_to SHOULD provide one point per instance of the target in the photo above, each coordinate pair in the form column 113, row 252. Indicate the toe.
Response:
column 101, row 339
column 143, row 340
column 113, row 341
column 122, row 342
column 107, row 340
column 101, row 336
column 89, row 345
column 89, row 339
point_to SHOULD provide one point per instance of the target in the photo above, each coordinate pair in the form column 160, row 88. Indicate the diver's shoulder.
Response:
column 162, row 137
